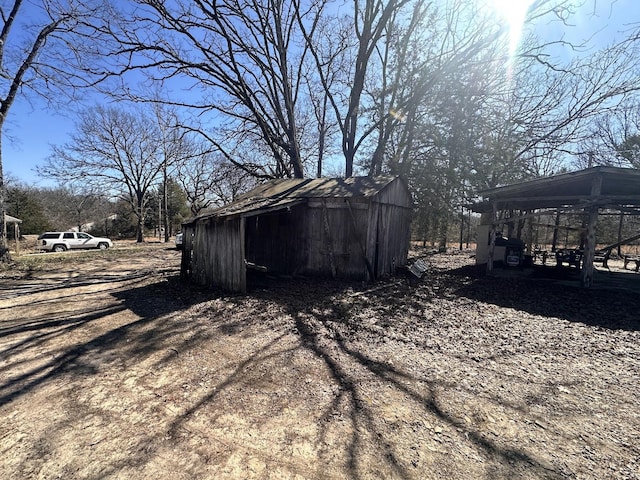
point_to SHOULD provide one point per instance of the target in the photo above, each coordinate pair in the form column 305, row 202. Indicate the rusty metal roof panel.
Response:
column 250, row 205
column 283, row 193
column 321, row 187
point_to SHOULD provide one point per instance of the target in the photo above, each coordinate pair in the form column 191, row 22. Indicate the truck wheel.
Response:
column 59, row 248
column 103, row 246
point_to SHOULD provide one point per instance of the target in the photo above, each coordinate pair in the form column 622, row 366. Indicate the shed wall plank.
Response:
column 217, row 256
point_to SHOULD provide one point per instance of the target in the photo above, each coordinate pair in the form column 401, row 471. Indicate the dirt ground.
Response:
column 111, row 368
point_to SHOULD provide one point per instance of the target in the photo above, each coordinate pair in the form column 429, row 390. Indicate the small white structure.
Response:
column 16, row 229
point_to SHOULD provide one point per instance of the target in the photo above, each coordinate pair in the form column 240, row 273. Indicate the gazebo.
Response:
column 590, row 191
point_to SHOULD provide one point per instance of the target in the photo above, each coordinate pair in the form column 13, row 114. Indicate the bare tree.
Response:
column 614, row 139
column 244, row 60
column 70, row 205
column 399, row 58
column 198, row 178
column 37, row 54
column 210, row 181
column 115, row 151
column 176, row 149
column 369, row 24
column 328, row 42
column 556, row 108
column 477, row 118
column 249, row 62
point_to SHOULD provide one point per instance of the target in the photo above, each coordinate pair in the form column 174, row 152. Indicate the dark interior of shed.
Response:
column 270, row 242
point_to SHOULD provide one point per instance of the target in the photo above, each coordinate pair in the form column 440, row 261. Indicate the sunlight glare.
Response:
column 514, row 13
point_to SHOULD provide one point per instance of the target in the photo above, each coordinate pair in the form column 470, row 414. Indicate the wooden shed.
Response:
column 355, row 228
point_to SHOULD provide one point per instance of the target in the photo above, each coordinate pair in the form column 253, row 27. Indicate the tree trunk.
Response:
column 461, row 228
column 349, row 139
column 140, row 220
column 4, row 250
column 165, row 210
column 443, row 233
column 296, row 161
column 321, row 147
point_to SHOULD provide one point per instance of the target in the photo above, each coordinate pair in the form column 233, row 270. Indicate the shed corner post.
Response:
column 16, row 234
column 492, row 237
column 186, row 254
column 590, row 242
column 589, row 248
column 243, row 256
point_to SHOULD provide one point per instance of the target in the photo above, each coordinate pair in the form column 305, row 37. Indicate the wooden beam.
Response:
column 553, row 211
column 492, row 237
column 360, row 242
column 253, row 266
column 570, row 199
column 565, row 210
column 336, row 203
column 16, row 236
column 622, row 242
column 549, row 198
column 327, row 231
column 561, row 227
column 590, row 240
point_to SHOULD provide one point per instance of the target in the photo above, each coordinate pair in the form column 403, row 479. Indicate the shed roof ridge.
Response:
column 268, row 195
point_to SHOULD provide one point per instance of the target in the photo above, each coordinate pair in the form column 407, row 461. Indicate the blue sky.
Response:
column 33, row 126
column 29, row 132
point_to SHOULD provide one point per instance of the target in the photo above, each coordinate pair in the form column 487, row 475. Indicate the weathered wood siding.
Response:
column 217, row 253
column 389, row 231
column 389, row 226
column 335, row 236
column 307, row 239
column 331, row 234
column 388, row 237
column 360, row 237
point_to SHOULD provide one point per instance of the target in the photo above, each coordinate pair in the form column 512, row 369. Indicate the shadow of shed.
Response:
column 357, row 228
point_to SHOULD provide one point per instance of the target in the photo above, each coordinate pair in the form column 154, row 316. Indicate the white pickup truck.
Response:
column 62, row 241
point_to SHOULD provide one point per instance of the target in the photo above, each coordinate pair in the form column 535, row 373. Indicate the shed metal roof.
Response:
column 620, row 188
column 283, row 193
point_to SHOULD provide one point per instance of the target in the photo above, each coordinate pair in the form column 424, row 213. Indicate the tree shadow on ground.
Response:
column 329, row 320
column 329, row 325
column 142, row 334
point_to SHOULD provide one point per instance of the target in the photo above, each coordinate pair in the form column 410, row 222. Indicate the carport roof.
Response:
column 620, row 189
